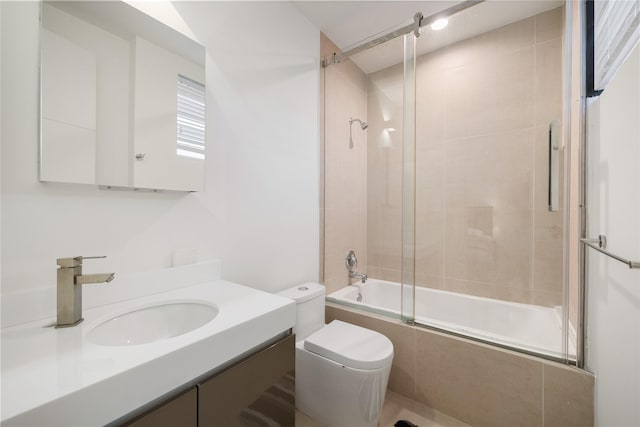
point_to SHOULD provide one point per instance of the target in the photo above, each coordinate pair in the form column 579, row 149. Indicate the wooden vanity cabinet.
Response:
column 258, row 390
column 179, row 411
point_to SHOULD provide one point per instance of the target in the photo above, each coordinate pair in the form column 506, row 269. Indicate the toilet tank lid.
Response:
column 304, row 292
column 351, row 346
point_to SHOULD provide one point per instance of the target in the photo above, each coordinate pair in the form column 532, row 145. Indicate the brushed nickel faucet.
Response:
column 70, row 281
column 360, row 276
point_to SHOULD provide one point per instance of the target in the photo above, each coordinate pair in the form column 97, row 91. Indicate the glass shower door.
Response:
column 489, row 185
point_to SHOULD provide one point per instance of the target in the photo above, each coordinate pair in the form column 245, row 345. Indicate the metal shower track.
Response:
column 418, row 22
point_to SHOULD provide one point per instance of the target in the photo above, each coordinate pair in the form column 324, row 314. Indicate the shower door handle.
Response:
column 554, row 166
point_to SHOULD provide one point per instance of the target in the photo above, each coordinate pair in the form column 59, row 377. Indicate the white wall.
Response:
column 613, row 209
column 259, row 212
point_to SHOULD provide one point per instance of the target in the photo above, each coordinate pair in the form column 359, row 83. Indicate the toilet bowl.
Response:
column 342, row 370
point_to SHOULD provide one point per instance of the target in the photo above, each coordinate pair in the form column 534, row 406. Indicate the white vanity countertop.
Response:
column 56, row 377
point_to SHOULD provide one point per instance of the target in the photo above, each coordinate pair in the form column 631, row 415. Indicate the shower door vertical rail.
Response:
column 408, row 179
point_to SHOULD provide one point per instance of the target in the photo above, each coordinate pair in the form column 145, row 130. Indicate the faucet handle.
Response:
column 351, row 261
column 75, row 261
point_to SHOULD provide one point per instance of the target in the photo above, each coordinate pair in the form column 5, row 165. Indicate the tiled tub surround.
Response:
column 479, row 384
column 483, row 110
column 343, row 202
column 528, row 327
column 58, row 376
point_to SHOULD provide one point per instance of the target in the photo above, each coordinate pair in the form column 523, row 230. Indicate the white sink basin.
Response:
column 150, row 324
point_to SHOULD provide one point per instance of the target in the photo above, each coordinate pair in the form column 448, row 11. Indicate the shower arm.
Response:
column 363, row 125
column 418, row 22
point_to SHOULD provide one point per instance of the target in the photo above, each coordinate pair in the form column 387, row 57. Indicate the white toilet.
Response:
column 342, row 370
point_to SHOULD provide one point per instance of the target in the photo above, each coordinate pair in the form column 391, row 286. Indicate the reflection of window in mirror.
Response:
column 155, row 113
column 190, row 138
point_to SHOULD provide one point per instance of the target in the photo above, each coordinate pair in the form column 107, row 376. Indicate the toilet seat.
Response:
column 351, row 346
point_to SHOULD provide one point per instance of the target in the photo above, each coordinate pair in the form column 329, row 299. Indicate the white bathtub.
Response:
column 528, row 327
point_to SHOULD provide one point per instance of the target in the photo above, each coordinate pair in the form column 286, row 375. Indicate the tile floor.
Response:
column 397, row 407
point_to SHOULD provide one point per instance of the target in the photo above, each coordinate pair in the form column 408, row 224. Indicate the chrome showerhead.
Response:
column 363, row 125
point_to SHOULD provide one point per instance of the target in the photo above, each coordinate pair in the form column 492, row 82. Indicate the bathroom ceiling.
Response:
column 349, row 23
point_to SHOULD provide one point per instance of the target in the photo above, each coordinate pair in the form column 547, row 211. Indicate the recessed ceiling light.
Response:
column 439, row 24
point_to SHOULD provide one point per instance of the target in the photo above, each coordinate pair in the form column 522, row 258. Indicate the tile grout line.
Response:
column 533, row 198
column 542, row 394
column 532, row 277
column 415, row 362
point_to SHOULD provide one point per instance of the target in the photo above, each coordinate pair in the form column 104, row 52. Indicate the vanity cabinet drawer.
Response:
column 259, row 390
column 180, row 411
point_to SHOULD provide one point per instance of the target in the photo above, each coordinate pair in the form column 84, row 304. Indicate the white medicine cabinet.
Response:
column 122, row 99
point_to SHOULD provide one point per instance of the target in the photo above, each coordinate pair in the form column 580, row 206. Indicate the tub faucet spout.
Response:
column 356, row 275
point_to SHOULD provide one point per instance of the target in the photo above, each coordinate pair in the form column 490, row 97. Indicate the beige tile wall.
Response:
column 476, row 383
column 345, row 167
column 483, row 110
column 384, row 174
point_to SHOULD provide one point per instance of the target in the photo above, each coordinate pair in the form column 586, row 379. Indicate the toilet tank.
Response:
column 309, row 298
